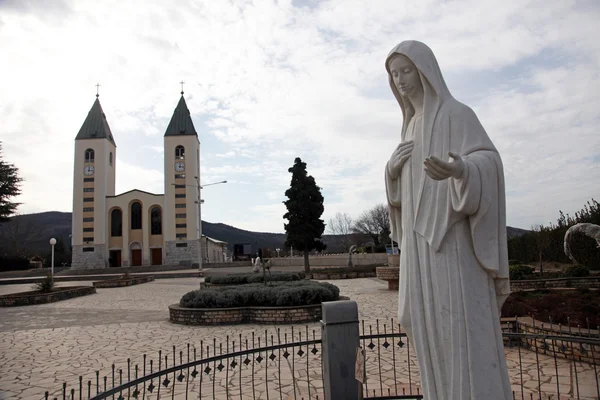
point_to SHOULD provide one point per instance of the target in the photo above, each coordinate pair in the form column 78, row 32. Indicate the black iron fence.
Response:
column 286, row 364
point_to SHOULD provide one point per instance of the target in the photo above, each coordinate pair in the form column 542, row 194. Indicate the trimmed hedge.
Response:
column 299, row 293
column 240, row 279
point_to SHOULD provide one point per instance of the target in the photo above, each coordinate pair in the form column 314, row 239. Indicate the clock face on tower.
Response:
column 88, row 170
column 179, row 166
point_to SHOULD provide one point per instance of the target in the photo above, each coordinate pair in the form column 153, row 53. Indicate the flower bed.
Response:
column 285, row 294
column 122, row 282
column 574, row 307
column 280, row 302
column 37, row 297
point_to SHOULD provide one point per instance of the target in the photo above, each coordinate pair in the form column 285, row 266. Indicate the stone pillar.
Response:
column 340, row 339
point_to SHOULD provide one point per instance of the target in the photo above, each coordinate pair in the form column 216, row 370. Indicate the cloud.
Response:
column 270, row 81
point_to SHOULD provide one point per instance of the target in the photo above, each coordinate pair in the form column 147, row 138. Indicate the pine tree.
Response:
column 305, row 207
column 9, row 187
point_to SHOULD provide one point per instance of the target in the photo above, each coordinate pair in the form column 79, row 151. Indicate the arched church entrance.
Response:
column 136, row 254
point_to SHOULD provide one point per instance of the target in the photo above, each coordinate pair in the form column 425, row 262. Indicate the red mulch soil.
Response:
column 566, row 307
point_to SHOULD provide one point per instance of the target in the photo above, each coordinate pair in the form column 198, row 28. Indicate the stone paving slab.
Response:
column 43, row 346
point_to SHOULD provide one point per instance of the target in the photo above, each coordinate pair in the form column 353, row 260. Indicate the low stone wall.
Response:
column 112, row 283
column 31, row 298
column 589, row 282
column 238, row 315
column 331, row 260
column 569, row 350
column 324, row 276
column 231, row 264
column 391, row 275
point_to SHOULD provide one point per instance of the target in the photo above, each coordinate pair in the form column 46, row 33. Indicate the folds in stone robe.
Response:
column 452, row 238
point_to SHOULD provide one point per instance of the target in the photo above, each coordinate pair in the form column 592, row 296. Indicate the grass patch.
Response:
column 281, row 294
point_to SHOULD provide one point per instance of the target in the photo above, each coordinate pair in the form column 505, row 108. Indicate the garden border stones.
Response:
column 36, row 297
column 121, row 282
column 586, row 282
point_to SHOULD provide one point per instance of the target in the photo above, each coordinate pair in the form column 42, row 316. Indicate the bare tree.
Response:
column 341, row 225
column 375, row 223
column 543, row 240
column 17, row 235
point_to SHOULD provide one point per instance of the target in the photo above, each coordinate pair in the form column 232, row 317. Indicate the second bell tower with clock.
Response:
column 182, row 191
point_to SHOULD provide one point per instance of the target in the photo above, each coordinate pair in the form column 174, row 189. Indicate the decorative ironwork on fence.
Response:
column 286, row 364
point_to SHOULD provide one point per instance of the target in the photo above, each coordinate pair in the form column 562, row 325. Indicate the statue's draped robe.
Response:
column 452, row 237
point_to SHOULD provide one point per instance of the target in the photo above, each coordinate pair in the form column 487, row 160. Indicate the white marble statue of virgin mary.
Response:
column 445, row 190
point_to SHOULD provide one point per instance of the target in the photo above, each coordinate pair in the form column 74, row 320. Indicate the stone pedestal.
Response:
column 391, row 275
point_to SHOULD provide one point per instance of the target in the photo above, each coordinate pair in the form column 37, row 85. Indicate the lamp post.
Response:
column 199, row 201
column 52, row 243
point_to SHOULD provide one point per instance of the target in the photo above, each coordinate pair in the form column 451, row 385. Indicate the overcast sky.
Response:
column 267, row 81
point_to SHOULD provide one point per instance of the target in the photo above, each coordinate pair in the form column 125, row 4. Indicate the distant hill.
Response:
column 33, row 231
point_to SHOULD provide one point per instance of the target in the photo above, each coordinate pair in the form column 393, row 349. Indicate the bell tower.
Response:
column 182, row 188
column 94, row 179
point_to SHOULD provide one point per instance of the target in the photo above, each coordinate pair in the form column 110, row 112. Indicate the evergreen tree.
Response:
column 9, row 187
column 305, row 207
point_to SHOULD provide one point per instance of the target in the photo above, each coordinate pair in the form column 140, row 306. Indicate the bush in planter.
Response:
column 575, row 271
column 520, row 272
column 281, row 294
column 240, row 279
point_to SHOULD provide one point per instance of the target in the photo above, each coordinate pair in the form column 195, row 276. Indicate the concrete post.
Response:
column 340, row 339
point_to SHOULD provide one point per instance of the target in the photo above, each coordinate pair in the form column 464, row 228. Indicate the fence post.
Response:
column 340, row 339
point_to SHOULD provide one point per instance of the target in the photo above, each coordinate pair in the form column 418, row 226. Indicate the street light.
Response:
column 52, row 243
column 199, row 202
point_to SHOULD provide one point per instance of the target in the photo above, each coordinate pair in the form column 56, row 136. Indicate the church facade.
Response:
column 136, row 228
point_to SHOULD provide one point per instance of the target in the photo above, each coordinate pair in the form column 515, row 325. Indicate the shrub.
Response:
column 520, row 272
column 14, row 264
column 240, row 279
column 298, row 293
column 575, row 271
column 46, row 285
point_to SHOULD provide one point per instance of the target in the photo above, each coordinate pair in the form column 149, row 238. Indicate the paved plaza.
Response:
column 43, row 346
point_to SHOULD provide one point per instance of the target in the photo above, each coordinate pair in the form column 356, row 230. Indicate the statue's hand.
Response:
column 439, row 170
column 399, row 157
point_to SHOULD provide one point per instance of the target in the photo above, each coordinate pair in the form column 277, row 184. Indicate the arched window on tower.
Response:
column 116, row 223
column 156, row 221
column 180, row 152
column 110, row 159
column 136, row 215
column 89, row 155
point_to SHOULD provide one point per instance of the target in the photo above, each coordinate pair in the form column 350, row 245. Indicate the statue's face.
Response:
column 406, row 76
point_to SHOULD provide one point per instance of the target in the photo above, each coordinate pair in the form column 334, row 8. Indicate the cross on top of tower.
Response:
column 182, row 82
column 97, row 90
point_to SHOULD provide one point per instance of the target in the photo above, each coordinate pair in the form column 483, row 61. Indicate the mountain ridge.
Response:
column 33, row 231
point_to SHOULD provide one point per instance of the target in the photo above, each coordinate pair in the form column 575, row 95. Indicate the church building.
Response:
column 136, row 227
